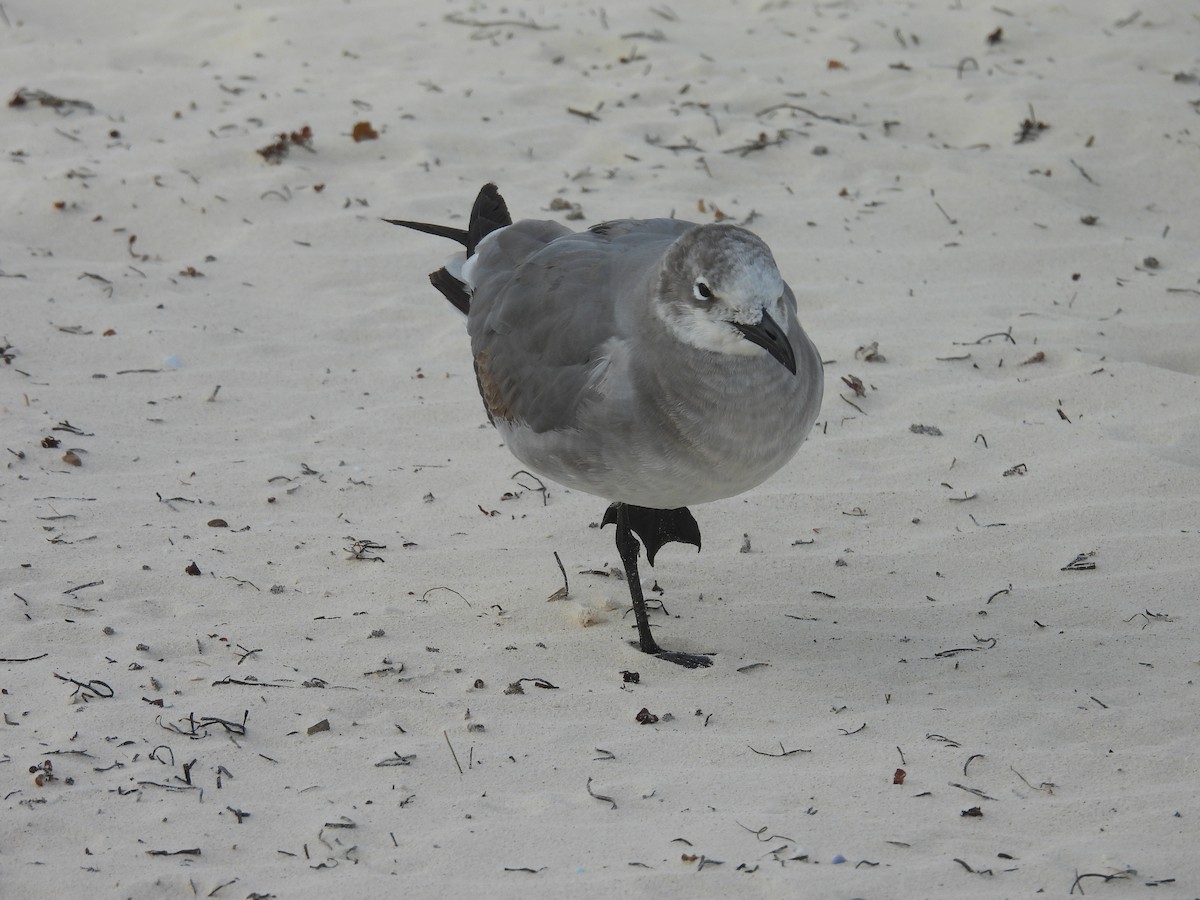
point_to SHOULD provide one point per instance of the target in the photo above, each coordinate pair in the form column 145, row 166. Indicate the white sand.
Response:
column 929, row 625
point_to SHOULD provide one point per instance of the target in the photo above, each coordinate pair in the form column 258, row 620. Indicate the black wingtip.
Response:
column 455, row 234
column 452, row 289
column 489, row 213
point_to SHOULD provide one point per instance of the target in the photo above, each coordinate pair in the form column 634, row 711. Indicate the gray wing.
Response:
column 551, row 308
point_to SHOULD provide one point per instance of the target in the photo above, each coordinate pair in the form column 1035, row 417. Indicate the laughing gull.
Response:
column 653, row 362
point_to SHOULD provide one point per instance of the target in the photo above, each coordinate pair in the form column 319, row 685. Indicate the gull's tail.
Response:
column 487, row 215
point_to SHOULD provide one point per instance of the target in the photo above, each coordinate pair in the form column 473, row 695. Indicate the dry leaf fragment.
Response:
column 71, row 458
column 363, row 132
column 898, row 778
column 26, row 96
column 275, row 153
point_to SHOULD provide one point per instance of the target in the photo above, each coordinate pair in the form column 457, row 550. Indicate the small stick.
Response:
column 541, row 488
column 452, row 753
column 970, row 790
column 460, row 19
column 781, row 752
column 1046, row 786
column 1003, row 334
column 442, row 587
column 566, row 585
column 944, row 213
column 246, row 653
column 80, row 587
column 1107, row 878
column 855, row 405
column 758, row 833
column 1083, row 172
column 600, row 796
column 808, row 112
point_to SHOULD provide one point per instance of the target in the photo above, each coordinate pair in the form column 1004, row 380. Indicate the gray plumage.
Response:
column 590, row 387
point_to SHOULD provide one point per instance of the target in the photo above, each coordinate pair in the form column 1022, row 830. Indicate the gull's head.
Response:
column 720, row 290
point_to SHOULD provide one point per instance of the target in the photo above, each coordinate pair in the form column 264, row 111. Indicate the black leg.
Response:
column 629, row 548
column 657, row 527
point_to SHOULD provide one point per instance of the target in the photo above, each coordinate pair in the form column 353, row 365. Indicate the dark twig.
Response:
column 541, row 488
column 80, row 587
column 971, row 790
column 987, row 337
column 759, row 834
column 942, row 739
column 452, row 753
column 566, row 588
column 1083, row 172
column 603, row 797
column 781, row 752
column 808, row 112
column 442, row 587
column 246, row 653
column 87, row 689
column 1125, row 873
column 1007, row 590
column 539, row 682
column 460, row 19
column 1046, row 786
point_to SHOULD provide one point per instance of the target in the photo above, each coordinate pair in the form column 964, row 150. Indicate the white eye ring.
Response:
column 701, row 290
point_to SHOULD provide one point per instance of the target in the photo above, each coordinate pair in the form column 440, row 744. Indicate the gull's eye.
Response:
column 701, row 290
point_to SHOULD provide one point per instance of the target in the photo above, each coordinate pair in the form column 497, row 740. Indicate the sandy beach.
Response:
column 275, row 616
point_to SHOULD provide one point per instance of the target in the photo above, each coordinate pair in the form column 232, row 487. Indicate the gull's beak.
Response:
column 768, row 335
